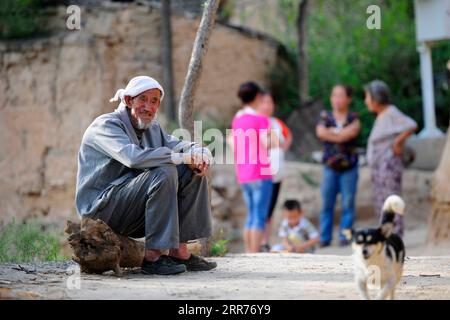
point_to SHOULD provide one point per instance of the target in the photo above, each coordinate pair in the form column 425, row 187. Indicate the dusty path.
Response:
column 243, row 276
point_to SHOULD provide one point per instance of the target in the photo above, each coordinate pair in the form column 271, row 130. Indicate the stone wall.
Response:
column 53, row 87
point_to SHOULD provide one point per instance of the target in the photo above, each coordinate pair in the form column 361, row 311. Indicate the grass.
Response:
column 219, row 246
column 29, row 242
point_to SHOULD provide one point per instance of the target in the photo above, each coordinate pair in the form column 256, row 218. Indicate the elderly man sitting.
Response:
column 142, row 181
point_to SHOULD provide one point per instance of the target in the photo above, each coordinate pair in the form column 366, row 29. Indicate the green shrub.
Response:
column 28, row 242
column 21, row 18
column 219, row 247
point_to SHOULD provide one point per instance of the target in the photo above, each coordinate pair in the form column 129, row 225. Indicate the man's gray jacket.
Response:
column 111, row 153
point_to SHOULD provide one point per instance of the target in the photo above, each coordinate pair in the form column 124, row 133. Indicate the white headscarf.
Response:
column 136, row 86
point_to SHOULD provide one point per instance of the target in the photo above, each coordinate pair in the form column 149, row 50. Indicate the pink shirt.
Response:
column 250, row 155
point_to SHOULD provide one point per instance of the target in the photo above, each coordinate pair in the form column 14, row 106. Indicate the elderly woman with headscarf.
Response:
column 144, row 182
column 385, row 146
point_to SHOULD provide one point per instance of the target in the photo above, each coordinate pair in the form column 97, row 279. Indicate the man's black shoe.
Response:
column 163, row 266
column 196, row 263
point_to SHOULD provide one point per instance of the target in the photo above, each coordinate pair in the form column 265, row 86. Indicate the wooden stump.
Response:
column 96, row 248
column 439, row 222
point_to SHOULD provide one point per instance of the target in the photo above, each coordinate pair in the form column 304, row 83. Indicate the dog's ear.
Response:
column 386, row 229
column 348, row 234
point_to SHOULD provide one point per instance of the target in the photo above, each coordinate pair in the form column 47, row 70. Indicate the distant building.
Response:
column 432, row 25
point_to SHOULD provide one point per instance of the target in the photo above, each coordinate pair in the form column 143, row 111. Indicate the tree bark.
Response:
column 439, row 221
column 186, row 106
column 169, row 104
column 302, row 57
column 96, row 248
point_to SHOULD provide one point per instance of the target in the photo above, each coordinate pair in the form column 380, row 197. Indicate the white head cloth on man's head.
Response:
column 136, row 86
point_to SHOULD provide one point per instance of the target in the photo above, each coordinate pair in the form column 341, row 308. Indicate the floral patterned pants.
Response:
column 387, row 180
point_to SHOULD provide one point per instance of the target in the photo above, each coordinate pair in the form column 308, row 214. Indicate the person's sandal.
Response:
column 163, row 266
column 264, row 247
column 196, row 263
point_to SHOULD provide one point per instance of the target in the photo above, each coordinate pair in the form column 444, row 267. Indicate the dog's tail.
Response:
column 392, row 205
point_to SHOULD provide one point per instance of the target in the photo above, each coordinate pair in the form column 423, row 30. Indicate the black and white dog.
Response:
column 379, row 254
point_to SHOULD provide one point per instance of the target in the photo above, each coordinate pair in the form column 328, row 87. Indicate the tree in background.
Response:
column 439, row 221
column 186, row 108
column 302, row 57
column 341, row 48
column 166, row 52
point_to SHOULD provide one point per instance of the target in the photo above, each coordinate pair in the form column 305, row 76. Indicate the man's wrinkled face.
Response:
column 144, row 107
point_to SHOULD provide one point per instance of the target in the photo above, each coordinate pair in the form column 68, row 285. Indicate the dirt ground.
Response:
column 328, row 274
column 240, row 276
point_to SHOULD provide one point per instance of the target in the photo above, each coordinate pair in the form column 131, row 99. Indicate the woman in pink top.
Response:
column 250, row 133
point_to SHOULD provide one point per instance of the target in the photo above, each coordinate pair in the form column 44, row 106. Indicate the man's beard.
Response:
column 141, row 125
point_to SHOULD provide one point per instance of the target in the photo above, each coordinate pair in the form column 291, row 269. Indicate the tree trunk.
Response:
column 302, row 57
column 439, row 221
column 186, row 107
column 169, row 103
column 96, row 248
